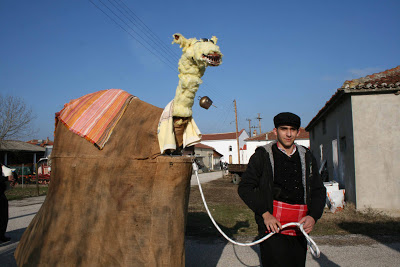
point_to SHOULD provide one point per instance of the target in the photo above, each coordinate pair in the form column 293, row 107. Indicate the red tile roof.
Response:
column 303, row 134
column 41, row 143
column 384, row 82
column 203, row 146
column 215, row 153
column 259, row 137
column 271, row 136
column 388, row 77
column 220, row 136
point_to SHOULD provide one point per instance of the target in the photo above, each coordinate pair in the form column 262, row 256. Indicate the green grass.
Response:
column 18, row 192
column 238, row 221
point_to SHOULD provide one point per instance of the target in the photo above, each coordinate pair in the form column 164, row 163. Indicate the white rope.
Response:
column 312, row 245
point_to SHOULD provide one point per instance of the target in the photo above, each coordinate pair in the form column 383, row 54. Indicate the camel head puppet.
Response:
column 196, row 57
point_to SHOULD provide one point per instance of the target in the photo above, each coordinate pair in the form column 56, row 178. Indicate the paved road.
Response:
column 21, row 213
column 217, row 252
column 206, row 177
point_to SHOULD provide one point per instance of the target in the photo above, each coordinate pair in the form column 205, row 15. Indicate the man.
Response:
column 6, row 175
column 282, row 185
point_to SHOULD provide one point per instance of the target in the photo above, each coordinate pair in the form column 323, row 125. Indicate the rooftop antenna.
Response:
column 259, row 121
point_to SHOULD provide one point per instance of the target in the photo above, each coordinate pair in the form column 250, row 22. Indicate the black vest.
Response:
column 288, row 185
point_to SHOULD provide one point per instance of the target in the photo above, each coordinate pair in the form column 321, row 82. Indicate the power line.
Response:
column 130, row 33
column 152, row 34
column 155, row 46
column 137, row 24
column 173, row 63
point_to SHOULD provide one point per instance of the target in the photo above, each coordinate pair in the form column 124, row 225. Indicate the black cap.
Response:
column 287, row 118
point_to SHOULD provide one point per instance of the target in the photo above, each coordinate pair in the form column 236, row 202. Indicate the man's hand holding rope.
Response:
column 272, row 224
column 308, row 223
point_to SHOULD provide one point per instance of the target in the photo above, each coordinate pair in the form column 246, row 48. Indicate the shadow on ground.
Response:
column 7, row 255
column 385, row 233
column 324, row 261
column 200, row 233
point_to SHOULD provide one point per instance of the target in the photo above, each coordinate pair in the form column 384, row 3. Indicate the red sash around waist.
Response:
column 287, row 213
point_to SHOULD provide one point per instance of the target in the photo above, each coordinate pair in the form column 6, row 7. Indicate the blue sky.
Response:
column 278, row 55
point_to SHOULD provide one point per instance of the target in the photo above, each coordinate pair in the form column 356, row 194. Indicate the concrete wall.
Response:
column 376, row 121
column 336, row 145
column 207, row 156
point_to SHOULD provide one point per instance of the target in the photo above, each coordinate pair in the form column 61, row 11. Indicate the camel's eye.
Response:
column 206, row 40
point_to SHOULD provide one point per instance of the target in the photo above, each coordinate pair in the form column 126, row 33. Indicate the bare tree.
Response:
column 15, row 118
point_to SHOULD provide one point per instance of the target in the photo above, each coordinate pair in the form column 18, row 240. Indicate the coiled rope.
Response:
column 311, row 244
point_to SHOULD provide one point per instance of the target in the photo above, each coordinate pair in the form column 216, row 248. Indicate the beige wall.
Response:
column 376, row 121
column 207, row 155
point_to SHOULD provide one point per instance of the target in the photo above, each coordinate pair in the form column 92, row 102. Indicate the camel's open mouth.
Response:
column 214, row 59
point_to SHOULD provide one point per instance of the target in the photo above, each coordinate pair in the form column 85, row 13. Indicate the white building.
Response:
column 262, row 139
column 357, row 134
column 226, row 144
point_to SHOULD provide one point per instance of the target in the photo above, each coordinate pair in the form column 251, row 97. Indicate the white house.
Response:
column 226, row 144
column 356, row 133
column 265, row 138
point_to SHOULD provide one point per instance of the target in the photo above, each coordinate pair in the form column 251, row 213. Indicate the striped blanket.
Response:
column 95, row 115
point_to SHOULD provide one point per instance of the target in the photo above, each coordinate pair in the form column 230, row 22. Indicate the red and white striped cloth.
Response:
column 95, row 115
column 288, row 213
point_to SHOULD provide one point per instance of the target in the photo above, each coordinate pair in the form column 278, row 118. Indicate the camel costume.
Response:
column 121, row 201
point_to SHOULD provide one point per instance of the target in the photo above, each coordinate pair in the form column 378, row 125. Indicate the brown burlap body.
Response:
column 121, row 206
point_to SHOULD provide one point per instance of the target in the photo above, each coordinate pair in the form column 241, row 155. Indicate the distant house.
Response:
column 265, row 138
column 47, row 144
column 14, row 153
column 209, row 157
column 357, row 133
column 226, row 144
column 41, row 142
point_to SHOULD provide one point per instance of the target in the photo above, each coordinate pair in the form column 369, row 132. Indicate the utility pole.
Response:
column 254, row 127
column 259, row 121
column 249, row 126
column 237, row 132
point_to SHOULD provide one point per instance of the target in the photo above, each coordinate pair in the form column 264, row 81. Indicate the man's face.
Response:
column 286, row 135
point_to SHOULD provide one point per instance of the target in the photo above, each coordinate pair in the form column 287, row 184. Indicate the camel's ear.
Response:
column 214, row 39
column 179, row 39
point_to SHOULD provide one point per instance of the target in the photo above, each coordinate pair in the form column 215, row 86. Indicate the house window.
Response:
column 343, row 144
column 324, row 126
column 230, row 148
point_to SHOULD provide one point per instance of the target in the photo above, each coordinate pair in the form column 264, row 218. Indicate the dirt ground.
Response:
column 220, row 191
column 237, row 220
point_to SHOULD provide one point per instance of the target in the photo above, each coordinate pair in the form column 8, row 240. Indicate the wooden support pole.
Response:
column 237, row 133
